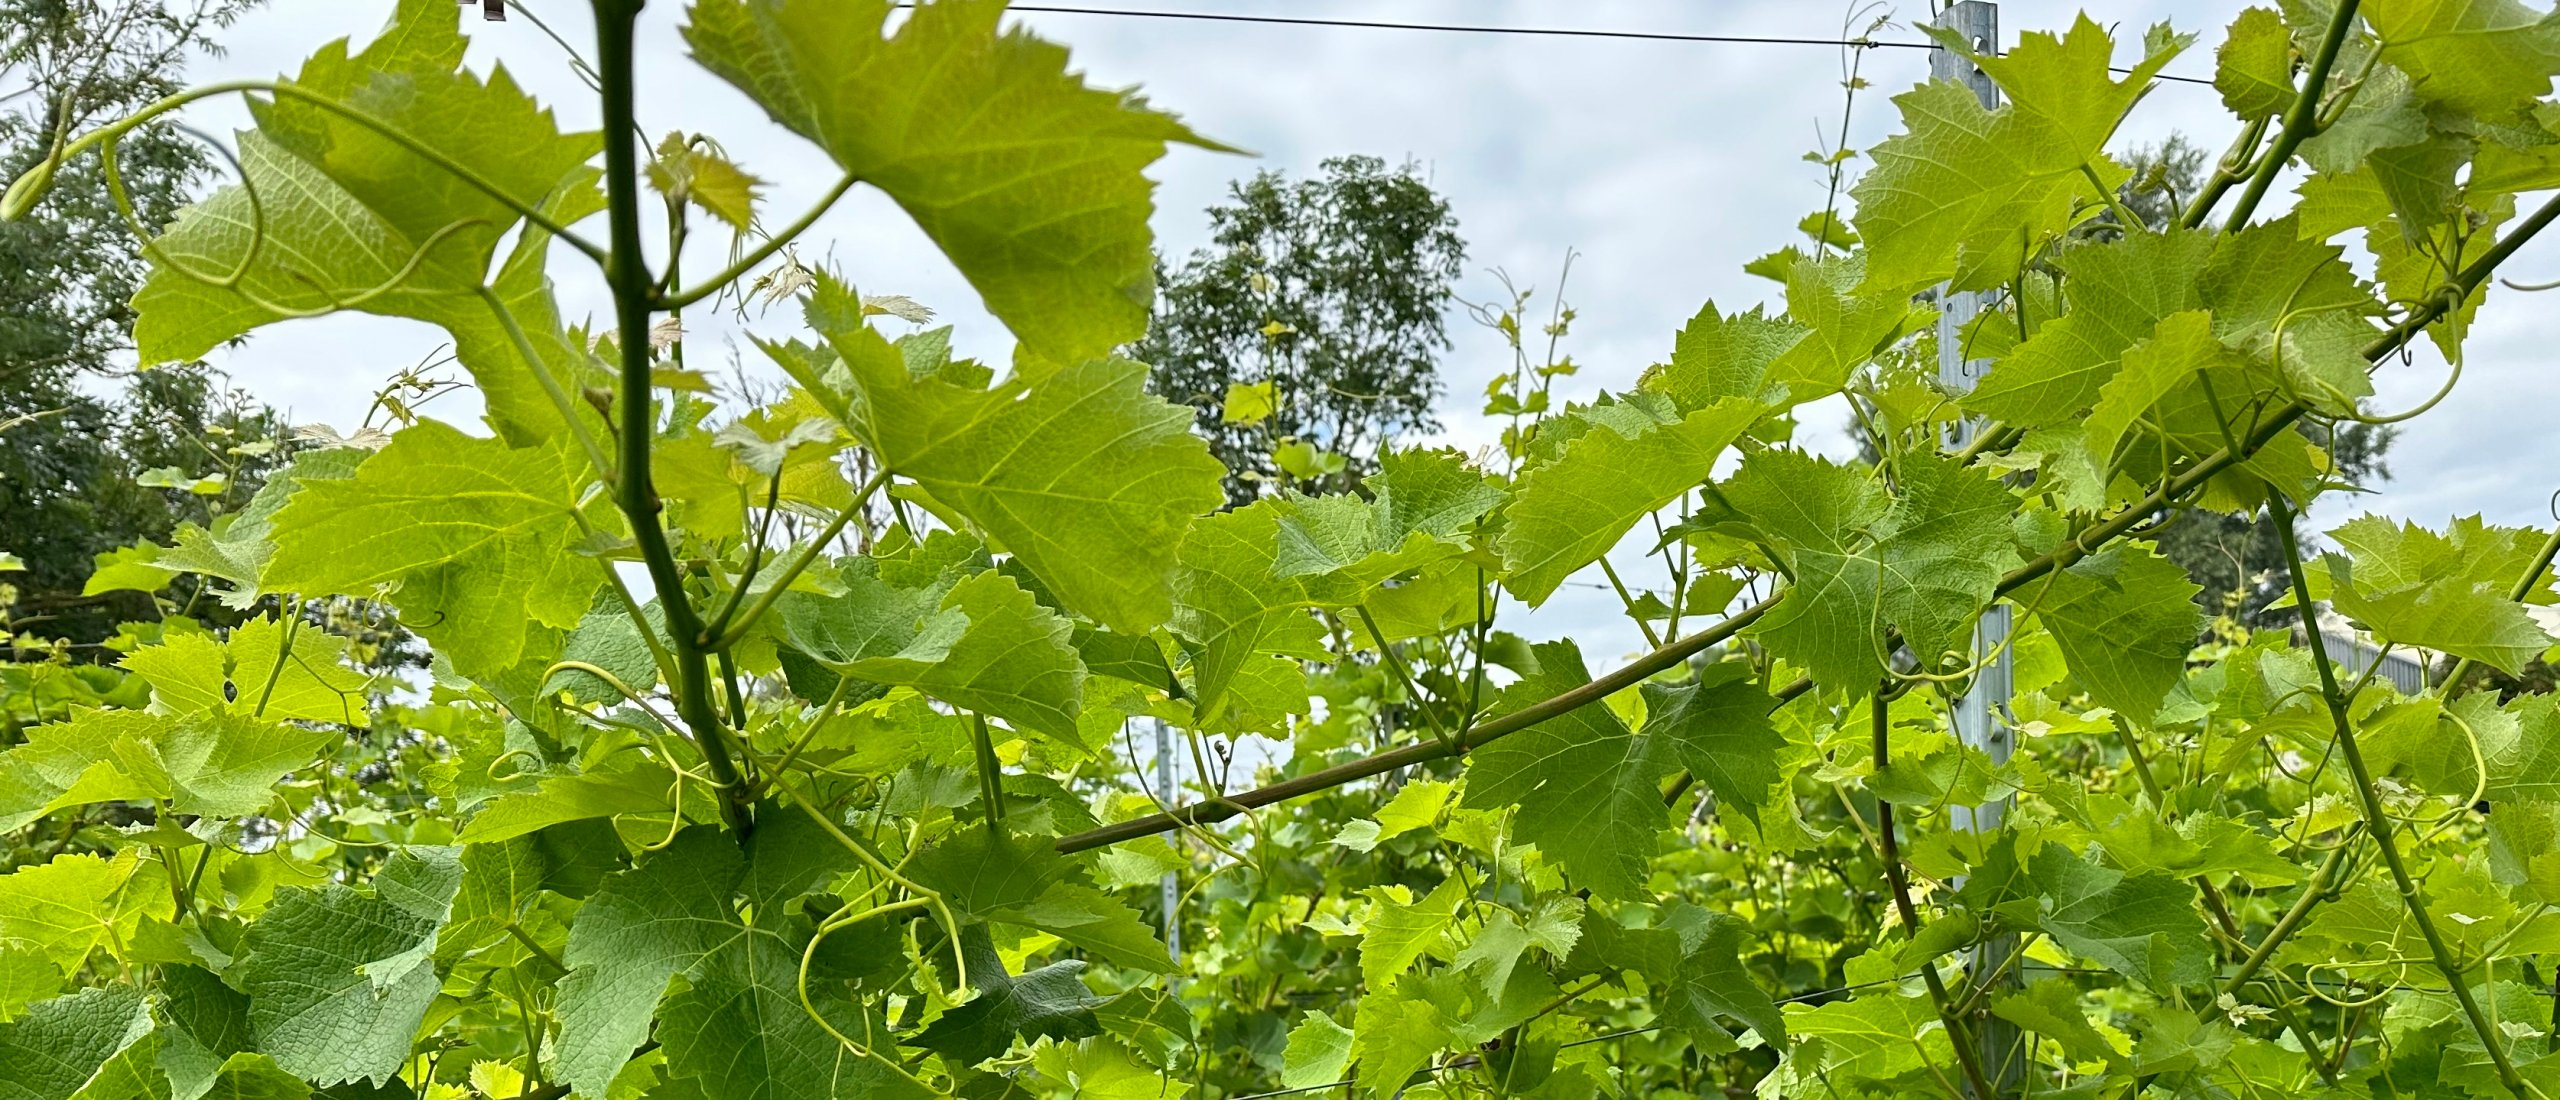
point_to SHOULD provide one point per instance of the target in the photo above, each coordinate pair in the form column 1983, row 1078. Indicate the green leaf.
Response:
column 638, row 787
column 1051, row 1001
column 338, row 981
column 266, row 669
column 69, row 1045
column 981, row 643
column 1394, row 1036
column 1233, row 613
column 2124, row 618
column 2116, row 294
column 1572, row 510
column 1422, row 503
column 2445, row 592
column 478, row 538
column 1401, row 930
column 1719, row 356
column 1969, row 194
column 347, row 219
column 1712, row 981
column 2052, row 1009
column 2485, row 57
column 1925, row 563
column 1096, row 922
column 1876, row 1038
column 1319, row 1052
column 643, row 927
column 687, row 172
column 2066, row 85
column 1028, row 179
column 2179, row 349
column 2143, row 926
column 1246, row 403
column 217, row 764
column 237, row 549
column 252, row 1076
column 981, row 870
column 68, row 907
column 1081, row 474
column 2523, row 755
column 1845, row 328
column 739, row 1028
column 1589, row 790
column 2254, row 68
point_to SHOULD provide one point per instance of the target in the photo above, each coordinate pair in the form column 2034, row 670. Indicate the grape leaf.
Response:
column 1030, row 181
column 978, row 642
column 338, row 980
column 2124, row 618
column 2254, row 68
column 643, row 927
column 2446, row 592
column 265, row 670
column 1712, row 981
column 1231, row 611
column 476, row 535
column 68, row 907
column 2143, row 926
column 217, row 764
column 1051, row 1001
column 1720, row 355
column 739, row 1029
column 2117, row 293
column 1589, row 790
column 68, row 1046
column 238, row 547
column 1401, row 929
column 2483, row 57
column 1319, row 1051
column 1967, row 193
column 1100, row 924
column 1081, row 474
column 1421, row 503
column 1572, row 510
column 343, row 218
column 1926, row 562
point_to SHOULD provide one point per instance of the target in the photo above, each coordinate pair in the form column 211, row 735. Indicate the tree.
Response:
column 1314, row 322
column 75, row 465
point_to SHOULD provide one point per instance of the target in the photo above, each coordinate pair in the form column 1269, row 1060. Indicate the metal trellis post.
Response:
column 1981, row 714
column 1172, row 883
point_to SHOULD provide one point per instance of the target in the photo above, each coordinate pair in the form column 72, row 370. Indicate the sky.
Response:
column 1661, row 166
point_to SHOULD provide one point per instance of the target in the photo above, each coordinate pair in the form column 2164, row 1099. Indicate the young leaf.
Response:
column 1572, row 510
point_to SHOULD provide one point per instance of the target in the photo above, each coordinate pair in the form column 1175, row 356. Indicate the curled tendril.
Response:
column 236, row 280
column 492, row 770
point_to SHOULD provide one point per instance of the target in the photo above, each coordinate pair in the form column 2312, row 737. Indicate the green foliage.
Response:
column 784, row 745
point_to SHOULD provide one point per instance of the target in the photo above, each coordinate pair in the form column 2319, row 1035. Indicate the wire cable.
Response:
column 1478, row 28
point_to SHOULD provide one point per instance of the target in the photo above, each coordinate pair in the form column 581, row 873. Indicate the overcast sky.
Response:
column 1665, row 165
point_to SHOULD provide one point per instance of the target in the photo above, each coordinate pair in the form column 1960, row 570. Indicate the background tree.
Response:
column 78, row 458
column 1327, row 299
column 2238, row 560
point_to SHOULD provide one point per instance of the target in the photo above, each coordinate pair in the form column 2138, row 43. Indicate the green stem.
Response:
column 2377, row 819
column 2300, row 121
column 1396, row 661
column 760, row 253
column 990, row 770
column 626, row 269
